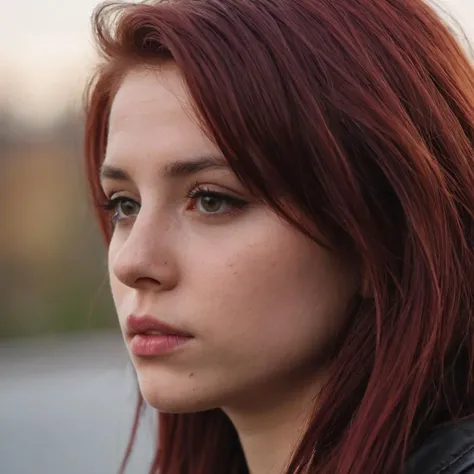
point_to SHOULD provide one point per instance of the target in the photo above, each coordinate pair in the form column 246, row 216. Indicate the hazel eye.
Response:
column 127, row 208
column 210, row 203
column 122, row 208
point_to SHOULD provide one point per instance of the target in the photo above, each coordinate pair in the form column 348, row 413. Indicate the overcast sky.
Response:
column 45, row 50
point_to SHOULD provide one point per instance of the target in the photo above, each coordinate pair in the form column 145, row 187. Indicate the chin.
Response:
column 172, row 395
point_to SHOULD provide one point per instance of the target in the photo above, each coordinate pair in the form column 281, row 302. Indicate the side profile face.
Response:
column 194, row 249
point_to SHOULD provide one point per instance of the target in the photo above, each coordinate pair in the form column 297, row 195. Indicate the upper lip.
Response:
column 148, row 324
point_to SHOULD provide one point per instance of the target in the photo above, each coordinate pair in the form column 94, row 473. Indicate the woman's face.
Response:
column 257, row 301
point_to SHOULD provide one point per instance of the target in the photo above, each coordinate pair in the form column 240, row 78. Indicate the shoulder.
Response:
column 448, row 450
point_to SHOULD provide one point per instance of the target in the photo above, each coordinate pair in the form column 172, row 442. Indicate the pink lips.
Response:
column 149, row 337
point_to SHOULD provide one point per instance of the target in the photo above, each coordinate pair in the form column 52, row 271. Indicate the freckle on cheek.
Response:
column 191, row 374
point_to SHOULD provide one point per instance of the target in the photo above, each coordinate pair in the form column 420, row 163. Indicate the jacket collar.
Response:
column 447, row 450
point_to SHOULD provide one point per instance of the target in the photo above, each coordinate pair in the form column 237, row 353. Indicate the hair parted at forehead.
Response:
column 360, row 115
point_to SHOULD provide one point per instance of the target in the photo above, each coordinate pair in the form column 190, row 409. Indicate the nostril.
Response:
column 147, row 282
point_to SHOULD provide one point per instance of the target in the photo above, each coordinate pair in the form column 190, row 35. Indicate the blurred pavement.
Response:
column 66, row 406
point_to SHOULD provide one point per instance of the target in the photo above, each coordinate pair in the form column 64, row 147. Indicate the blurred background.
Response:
column 67, row 392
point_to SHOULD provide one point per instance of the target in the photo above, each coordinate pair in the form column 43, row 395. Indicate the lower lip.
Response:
column 147, row 345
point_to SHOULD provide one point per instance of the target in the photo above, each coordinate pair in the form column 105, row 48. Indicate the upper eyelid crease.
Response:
column 115, row 174
column 175, row 169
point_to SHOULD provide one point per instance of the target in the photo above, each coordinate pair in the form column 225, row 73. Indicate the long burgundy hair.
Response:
column 361, row 112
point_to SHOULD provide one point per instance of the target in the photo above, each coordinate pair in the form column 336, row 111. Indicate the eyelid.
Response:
column 217, row 189
column 113, row 193
column 114, row 199
column 235, row 203
column 200, row 190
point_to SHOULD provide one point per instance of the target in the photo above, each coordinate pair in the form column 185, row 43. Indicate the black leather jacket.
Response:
column 448, row 450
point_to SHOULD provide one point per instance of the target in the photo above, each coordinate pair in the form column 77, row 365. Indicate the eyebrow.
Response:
column 175, row 169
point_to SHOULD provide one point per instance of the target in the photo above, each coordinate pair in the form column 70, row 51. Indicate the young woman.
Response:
column 286, row 188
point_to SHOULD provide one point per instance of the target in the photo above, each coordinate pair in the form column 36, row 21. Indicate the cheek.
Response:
column 117, row 288
column 119, row 297
column 278, row 294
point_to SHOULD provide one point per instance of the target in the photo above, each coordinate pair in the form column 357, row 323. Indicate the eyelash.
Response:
column 111, row 205
column 199, row 191
column 196, row 192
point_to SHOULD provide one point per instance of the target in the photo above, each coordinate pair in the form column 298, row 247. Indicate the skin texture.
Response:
column 261, row 300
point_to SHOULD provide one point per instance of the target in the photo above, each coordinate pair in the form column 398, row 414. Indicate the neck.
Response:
column 271, row 431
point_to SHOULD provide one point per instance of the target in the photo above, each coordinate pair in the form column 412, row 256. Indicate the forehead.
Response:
column 152, row 110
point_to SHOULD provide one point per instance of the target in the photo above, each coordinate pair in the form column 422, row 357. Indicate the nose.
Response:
column 142, row 257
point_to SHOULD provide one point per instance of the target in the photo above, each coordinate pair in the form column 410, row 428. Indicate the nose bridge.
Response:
column 146, row 253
